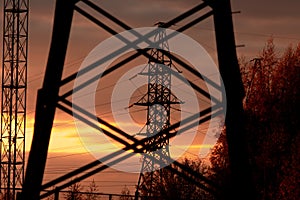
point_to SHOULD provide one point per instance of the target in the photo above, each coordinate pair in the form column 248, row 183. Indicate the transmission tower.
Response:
column 50, row 98
column 158, row 100
column 13, row 106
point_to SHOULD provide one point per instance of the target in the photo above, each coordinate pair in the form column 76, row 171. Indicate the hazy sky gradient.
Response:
column 258, row 21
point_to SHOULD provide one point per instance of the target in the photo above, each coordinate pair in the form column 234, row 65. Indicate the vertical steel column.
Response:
column 47, row 99
column 230, row 72
column 13, row 104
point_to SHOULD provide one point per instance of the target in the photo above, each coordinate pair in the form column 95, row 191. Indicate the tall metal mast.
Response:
column 13, row 106
column 158, row 101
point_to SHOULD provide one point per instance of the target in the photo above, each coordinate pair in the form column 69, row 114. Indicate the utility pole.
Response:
column 13, row 104
column 158, row 101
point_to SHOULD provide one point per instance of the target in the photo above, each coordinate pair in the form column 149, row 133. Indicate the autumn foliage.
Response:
column 271, row 104
column 272, row 110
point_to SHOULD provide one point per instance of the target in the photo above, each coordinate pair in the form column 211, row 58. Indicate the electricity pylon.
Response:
column 14, row 86
column 158, row 100
column 50, row 97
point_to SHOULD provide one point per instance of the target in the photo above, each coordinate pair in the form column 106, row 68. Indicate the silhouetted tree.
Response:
column 271, row 105
column 92, row 189
column 74, row 192
column 220, row 171
column 125, row 194
column 273, row 123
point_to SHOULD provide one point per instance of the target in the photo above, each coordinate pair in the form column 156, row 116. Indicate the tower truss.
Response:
column 51, row 97
column 158, row 101
column 13, row 106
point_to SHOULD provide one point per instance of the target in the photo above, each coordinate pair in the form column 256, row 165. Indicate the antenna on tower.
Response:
column 13, row 104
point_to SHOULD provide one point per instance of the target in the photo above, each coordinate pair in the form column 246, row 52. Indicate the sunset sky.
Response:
column 257, row 22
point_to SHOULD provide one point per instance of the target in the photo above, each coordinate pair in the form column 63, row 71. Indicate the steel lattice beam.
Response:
column 48, row 97
column 13, row 106
column 141, row 52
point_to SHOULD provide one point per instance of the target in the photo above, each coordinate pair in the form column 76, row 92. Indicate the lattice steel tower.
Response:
column 13, row 106
column 158, row 100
